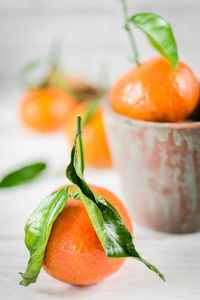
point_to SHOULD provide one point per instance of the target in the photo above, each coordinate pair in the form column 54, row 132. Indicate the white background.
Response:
column 90, row 32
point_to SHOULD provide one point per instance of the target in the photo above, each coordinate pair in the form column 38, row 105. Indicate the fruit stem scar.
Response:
column 131, row 37
column 80, row 140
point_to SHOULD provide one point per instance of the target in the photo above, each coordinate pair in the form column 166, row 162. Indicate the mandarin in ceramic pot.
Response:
column 156, row 152
column 159, row 168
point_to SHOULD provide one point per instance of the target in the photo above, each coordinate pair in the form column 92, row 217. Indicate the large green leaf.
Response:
column 114, row 236
column 159, row 33
column 74, row 171
column 94, row 214
column 22, row 175
column 37, row 232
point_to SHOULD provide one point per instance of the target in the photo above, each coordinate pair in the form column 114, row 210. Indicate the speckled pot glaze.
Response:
column 159, row 167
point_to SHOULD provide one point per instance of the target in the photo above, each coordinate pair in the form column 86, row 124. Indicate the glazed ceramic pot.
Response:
column 159, row 168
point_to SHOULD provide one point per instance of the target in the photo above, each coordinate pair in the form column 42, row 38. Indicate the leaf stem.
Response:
column 131, row 37
column 80, row 140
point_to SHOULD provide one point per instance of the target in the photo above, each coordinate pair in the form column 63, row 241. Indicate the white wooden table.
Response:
column 177, row 256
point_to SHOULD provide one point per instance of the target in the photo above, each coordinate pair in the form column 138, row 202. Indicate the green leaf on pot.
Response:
column 114, row 236
column 159, row 33
column 37, row 232
column 22, row 175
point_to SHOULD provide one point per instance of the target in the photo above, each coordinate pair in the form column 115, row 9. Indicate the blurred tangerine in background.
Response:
column 89, row 107
column 48, row 99
column 45, row 109
column 95, row 144
column 54, row 102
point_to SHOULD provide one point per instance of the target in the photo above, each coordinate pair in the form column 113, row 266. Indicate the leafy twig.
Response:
column 131, row 37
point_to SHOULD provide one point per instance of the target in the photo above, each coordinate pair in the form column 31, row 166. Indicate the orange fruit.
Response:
column 152, row 92
column 96, row 150
column 45, row 109
column 74, row 253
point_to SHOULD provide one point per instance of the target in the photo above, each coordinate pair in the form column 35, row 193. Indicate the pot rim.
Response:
column 132, row 122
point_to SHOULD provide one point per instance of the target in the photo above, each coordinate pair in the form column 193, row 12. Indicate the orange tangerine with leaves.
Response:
column 80, row 233
column 153, row 92
column 161, row 89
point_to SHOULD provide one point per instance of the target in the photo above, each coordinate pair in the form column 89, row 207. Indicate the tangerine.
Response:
column 45, row 109
column 96, row 150
column 152, row 92
column 74, row 253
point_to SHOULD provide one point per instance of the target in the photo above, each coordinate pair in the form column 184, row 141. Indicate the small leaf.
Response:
column 26, row 75
column 56, row 78
column 159, row 33
column 110, row 229
column 92, row 109
column 75, row 195
column 46, row 72
column 37, row 232
column 30, row 66
column 22, row 175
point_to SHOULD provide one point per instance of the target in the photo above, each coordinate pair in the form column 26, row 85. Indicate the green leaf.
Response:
column 74, row 172
column 114, row 236
column 30, row 66
column 94, row 214
column 22, row 175
column 159, row 33
column 26, row 74
column 56, row 78
column 91, row 110
column 37, row 232
column 47, row 71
